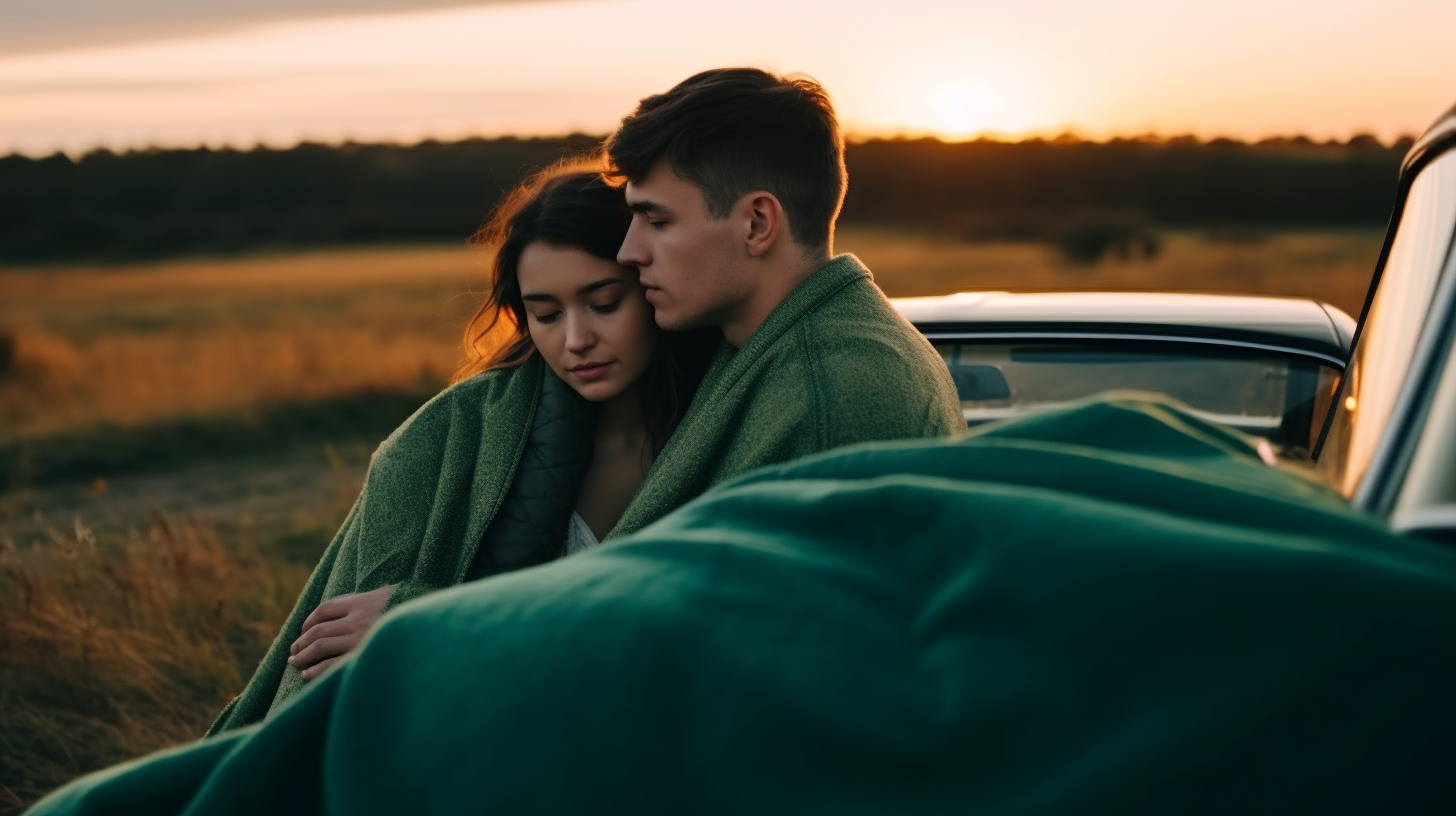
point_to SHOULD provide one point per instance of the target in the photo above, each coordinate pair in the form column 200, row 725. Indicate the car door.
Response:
column 1390, row 444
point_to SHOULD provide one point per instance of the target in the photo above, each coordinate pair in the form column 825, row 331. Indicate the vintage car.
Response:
column 1390, row 442
column 1264, row 365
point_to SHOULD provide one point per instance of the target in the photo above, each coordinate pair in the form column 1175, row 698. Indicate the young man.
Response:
column 735, row 178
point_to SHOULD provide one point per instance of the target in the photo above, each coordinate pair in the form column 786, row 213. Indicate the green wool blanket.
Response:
column 834, row 364
column 1115, row 608
column 432, row 489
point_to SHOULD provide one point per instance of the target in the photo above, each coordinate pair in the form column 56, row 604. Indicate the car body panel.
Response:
column 1277, row 323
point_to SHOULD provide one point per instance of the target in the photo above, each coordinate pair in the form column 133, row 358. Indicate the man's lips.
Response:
column 590, row 371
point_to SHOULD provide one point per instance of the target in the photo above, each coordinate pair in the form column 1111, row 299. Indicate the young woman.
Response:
column 568, row 393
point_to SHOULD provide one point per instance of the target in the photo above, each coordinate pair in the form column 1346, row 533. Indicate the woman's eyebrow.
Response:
column 583, row 290
column 595, row 285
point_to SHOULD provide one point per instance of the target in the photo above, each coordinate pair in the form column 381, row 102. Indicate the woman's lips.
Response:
column 590, row 371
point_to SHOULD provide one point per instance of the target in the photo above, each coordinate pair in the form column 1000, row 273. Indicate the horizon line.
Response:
column 1364, row 140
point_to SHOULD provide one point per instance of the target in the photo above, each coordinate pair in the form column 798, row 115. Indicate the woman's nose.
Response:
column 579, row 334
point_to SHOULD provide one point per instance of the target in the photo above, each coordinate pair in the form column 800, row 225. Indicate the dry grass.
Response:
column 134, row 378
column 1331, row 266
column 131, row 344
column 115, row 648
column 123, row 345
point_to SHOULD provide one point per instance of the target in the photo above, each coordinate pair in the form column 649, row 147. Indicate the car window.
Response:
column 1388, row 340
column 1276, row 396
column 1430, row 482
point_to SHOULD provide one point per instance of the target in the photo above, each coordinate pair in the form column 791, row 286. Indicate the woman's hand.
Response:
column 335, row 628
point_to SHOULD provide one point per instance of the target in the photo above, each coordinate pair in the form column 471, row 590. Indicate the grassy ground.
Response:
column 122, row 644
column 178, row 441
column 128, row 345
column 1332, row 266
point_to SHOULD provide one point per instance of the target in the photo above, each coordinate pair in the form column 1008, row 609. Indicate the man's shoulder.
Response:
column 858, row 326
column 874, row 375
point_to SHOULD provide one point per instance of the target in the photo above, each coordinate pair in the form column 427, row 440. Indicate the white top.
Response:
column 579, row 536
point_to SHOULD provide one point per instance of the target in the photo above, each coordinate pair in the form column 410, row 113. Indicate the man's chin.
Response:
column 676, row 321
column 673, row 323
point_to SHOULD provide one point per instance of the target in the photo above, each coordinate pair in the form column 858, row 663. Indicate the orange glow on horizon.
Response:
column 939, row 68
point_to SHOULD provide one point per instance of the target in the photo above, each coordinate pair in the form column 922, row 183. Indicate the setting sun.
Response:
column 936, row 68
column 962, row 109
column 950, row 91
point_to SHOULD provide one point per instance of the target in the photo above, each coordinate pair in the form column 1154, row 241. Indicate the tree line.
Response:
column 105, row 206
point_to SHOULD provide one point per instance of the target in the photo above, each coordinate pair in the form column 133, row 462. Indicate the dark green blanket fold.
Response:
column 832, row 365
column 442, row 502
column 1114, row 609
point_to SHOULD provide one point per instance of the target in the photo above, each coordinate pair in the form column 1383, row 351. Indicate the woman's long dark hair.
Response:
column 572, row 205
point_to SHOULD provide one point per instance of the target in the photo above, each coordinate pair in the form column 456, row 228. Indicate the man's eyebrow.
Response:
column 646, row 206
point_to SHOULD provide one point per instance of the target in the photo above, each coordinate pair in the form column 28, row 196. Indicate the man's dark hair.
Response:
column 731, row 131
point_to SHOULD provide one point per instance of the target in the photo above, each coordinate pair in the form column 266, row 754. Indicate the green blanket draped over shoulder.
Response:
column 433, row 485
column 1111, row 609
column 834, row 364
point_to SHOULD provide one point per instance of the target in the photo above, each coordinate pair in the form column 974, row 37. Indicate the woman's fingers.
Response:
column 318, row 668
column 337, row 626
column 332, row 628
column 324, row 648
column 331, row 609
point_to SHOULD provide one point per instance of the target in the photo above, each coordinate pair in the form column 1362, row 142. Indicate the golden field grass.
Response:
column 1331, row 266
column 118, row 647
column 131, row 608
column 127, row 344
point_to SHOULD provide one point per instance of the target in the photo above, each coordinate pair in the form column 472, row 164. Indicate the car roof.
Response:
column 1297, row 323
column 1433, row 142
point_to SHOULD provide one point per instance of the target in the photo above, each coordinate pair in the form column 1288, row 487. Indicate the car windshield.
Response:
column 1279, row 397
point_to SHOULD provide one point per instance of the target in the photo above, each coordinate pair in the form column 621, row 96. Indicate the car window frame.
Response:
column 1378, row 486
column 1296, row 358
column 1380, row 495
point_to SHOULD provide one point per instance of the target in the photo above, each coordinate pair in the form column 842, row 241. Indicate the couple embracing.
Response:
column 1118, row 608
column 657, row 324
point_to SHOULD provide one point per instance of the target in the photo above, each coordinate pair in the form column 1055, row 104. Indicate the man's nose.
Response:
column 633, row 251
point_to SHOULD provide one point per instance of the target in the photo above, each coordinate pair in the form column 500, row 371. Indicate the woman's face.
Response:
column 588, row 317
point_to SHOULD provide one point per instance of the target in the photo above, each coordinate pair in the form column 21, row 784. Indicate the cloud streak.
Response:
column 29, row 26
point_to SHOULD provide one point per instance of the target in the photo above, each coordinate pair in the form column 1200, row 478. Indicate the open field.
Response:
column 1331, row 266
column 130, row 344
column 125, row 345
column 179, row 440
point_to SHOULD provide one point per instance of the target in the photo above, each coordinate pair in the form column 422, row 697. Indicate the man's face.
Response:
column 690, row 264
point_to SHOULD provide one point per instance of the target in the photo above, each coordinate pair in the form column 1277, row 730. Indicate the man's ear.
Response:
column 765, row 221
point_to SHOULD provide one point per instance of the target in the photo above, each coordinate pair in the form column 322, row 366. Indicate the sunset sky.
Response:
column 80, row 74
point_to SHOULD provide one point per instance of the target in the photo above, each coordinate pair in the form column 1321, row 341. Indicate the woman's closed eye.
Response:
column 606, row 308
column 548, row 317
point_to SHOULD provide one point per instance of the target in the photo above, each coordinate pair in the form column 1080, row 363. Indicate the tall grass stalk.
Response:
column 113, row 649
